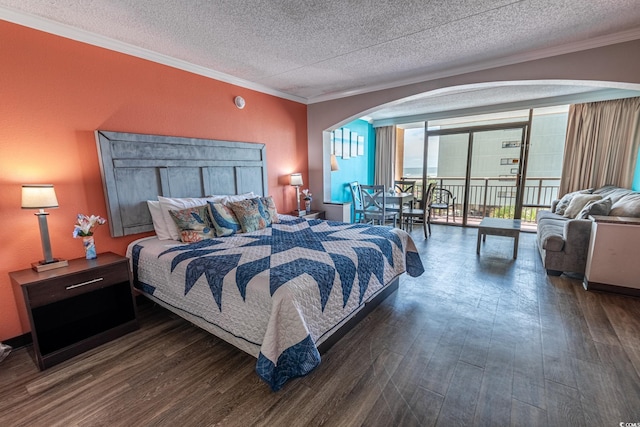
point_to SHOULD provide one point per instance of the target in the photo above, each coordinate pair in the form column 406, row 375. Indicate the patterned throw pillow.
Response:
column 194, row 223
column 223, row 219
column 250, row 214
column 270, row 211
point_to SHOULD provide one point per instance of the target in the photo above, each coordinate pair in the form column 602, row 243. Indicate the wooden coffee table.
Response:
column 499, row 227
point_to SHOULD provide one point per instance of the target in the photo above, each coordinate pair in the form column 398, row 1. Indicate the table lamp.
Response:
column 296, row 181
column 334, row 163
column 40, row 197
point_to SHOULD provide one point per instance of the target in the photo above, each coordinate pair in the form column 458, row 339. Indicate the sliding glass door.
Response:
column 481, row 168
column 505, row 165
column 496, row 162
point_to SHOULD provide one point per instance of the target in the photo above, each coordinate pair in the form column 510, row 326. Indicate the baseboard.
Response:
column 624, row 290
column 19, row 341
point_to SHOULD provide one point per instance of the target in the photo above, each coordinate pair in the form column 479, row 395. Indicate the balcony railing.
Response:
column 495, row 197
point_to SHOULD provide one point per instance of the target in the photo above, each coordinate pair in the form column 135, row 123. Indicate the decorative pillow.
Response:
column 176, row 204
column 158, row 220
column 250, row 214
column 578, row 202
column 223, row 219
column 595, row 207
column 194, row 224
column 563, row 204
column 270, row 211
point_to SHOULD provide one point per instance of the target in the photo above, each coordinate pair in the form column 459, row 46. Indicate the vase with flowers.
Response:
column 307, row 200
column 84, row 227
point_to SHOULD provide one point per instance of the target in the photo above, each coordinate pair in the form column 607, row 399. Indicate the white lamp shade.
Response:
column 296, row 179
column 39, row 196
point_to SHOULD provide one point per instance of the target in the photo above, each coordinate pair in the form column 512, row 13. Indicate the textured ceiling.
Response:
column 316, row 50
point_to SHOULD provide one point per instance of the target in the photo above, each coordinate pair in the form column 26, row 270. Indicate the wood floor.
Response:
column 476, row 340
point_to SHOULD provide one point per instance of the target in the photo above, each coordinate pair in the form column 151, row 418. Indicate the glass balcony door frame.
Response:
column 524, row 126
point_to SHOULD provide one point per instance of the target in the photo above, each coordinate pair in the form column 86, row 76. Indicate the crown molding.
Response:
column 610, row 39
column 69, row 32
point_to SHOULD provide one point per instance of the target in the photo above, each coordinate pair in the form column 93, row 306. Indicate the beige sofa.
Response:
column 564, row 231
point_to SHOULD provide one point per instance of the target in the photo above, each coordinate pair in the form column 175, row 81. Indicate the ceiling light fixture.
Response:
column 239, row 101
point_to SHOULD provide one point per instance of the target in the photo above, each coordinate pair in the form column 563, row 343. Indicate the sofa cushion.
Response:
column 544, row 215
column 628, row 205
column 595, row 207
column 578, row 202
column 563, row 204
column 551, row 234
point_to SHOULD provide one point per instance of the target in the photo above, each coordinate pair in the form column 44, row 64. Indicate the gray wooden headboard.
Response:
column 136, row 168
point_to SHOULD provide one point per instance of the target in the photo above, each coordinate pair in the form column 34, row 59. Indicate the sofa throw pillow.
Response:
column 595, row 207
column 270, row 211
column 578, row 202
column 194, row 223
column 563, row 204
column 628, row 206
column 250, row 214
column 223, row 219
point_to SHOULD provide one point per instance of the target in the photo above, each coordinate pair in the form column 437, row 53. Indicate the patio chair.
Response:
column 443, row 199
column 374, row 198
column 424, row 215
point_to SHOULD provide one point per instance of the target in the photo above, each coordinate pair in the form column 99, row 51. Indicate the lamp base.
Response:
column 45, row 266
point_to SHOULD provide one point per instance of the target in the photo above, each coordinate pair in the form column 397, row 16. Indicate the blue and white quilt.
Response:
column 280, row 290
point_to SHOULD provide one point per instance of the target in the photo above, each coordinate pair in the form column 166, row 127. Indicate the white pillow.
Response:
column 239, row 197
column 158, row 220
column 578, row 202
column 178, row 204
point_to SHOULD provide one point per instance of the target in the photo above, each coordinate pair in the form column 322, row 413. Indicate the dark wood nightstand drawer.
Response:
column 70, row 285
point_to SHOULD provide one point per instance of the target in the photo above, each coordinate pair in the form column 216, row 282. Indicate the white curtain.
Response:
column 385, row 155
column 602, row 145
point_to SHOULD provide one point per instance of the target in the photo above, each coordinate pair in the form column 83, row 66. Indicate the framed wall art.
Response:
column 360, row 145
column 337, row 142
column 346, row 143
column 354, row 144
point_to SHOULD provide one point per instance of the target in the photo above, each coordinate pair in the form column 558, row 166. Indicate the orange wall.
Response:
column 55, row 92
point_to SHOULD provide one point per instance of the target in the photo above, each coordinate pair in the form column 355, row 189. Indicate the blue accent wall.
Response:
column 360, row 168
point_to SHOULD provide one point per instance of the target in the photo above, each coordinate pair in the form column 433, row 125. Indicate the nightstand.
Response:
column 76, row 308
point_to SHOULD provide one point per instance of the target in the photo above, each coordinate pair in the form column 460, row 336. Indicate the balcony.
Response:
column 494, row 197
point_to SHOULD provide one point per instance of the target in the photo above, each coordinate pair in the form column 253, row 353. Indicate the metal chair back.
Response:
column 443, row 199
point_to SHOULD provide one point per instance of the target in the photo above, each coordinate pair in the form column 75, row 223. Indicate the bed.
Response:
column 283, row 293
